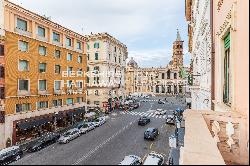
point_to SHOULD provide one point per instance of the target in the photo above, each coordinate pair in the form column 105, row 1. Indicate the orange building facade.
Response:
column 43, row 85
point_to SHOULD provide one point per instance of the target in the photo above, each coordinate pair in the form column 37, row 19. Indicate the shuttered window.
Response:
column 227, row 41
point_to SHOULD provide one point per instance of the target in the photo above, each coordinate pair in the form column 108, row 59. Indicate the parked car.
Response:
column 10, row 154
column 131, row 160
column 151, row 134
column 170, row 119
column 86, row 127
column 143, row 121
column 44, row 141
column 69, row 136
column 99, row 121
column 160, row 112
column 154, row 158
column 91, row 125
column 161, row 102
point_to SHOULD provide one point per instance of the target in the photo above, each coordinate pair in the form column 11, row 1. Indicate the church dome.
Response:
column 132, row 62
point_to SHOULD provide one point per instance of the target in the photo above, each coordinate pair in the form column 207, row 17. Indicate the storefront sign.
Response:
column 2, row 116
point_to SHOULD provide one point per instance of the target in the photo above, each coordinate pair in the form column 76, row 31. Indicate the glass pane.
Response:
column 41, row 32
column 23, row 65
column 23, row 46
column 22, row 24
column 42, row 50
column 23, row 85
column 42, row 85
column 57, row 85
column 56, row 37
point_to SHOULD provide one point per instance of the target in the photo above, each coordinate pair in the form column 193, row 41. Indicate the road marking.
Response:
column 102, row 144
column 151, row 146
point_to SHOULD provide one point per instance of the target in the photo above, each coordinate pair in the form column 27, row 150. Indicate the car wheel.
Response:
column 18, row 157
column 67, row 141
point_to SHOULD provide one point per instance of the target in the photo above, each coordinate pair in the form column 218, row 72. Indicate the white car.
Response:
column 69, row 136
column 160, row 112
column 131, row 160
column 99, row 121
column 154, row 158
column 86, row 128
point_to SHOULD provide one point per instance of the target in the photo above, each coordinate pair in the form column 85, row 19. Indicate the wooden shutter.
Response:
column 227, row 41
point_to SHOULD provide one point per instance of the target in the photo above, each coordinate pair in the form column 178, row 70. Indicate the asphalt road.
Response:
column 108, row 144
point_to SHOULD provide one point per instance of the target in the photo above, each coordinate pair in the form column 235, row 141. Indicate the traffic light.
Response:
column 190, row 79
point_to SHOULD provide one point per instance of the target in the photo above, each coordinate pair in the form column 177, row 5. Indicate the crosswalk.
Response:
column 147, row 114
column 149, row 100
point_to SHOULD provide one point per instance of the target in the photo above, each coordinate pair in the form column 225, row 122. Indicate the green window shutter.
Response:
column 227, row 41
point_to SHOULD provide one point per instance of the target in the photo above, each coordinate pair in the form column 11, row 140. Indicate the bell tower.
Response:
column 177, row 57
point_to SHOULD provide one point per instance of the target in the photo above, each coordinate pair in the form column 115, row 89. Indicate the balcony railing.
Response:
column 22, row 32
column 23, row 93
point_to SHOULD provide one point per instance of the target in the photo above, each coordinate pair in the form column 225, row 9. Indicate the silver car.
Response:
column 154, row 158
column 99, row 121
column 69, row 136
column 131, row 160
column 86, row 128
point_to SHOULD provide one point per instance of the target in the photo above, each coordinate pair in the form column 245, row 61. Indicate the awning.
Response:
column 90, row 114
column 34, row 123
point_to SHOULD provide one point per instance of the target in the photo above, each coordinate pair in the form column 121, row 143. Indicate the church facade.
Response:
column 166, row 80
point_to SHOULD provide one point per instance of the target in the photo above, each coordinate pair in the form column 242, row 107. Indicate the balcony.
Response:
column 58, row 92
column 57, row 43
column 43, row 92
column 42, row 38
column 22, row 32
column 213, row 137
column 23, row 93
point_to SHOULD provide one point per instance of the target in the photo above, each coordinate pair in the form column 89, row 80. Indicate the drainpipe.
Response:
column 212, row 55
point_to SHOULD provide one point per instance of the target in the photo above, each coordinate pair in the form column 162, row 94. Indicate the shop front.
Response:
column 28, row 129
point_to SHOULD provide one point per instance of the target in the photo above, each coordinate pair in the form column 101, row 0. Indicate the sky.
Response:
column 147, row 27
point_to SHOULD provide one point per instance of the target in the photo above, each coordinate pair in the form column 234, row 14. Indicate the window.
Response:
column 2, row 94
column 96, row 69
column 79, row 99
column 79, row 59
column 88, row 57
column 96, row 92
column 56, row 37
column 87, row 79
column 70, row 84
column 227, row 74
column 96, row 45
column 1, row 71
column 168, row 74
column 23, row 46
column 21, row 24
column 115, row 49
column 70, row 69
column 68, row 42
column 42, row 85
column 97, row 102
column 23, row 65
column 42, row 67
column 57, row 54
column 42, row 104
column 96, row 56
column 96, row 80
column 57, row 85
column 79, row 84
column 57, row 69
column 175, row 75
column 1, row 50
column 69, row 57
column 41, row 31
column 70, row 101
column 42, row 50
column 79, row 45
column 115, row 58
column 23, row 85
column 109, row 57
column 57, row 103
column 87, row 68
column 23, row 107
column 88, row 47
column 162, row 76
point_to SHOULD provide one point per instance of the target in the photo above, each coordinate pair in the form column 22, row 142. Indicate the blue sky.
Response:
column 147, row 27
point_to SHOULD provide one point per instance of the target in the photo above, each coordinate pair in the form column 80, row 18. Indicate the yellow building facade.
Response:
column 44, row 81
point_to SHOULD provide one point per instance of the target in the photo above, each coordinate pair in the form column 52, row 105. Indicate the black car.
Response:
column 136, row 105
column 10, row 154
column 143, row 121
column 44, row 141
column 161, row 102
column 170, row 119
column 151, row 134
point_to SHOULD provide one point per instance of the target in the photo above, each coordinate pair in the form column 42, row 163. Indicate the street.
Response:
column 110, row 143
